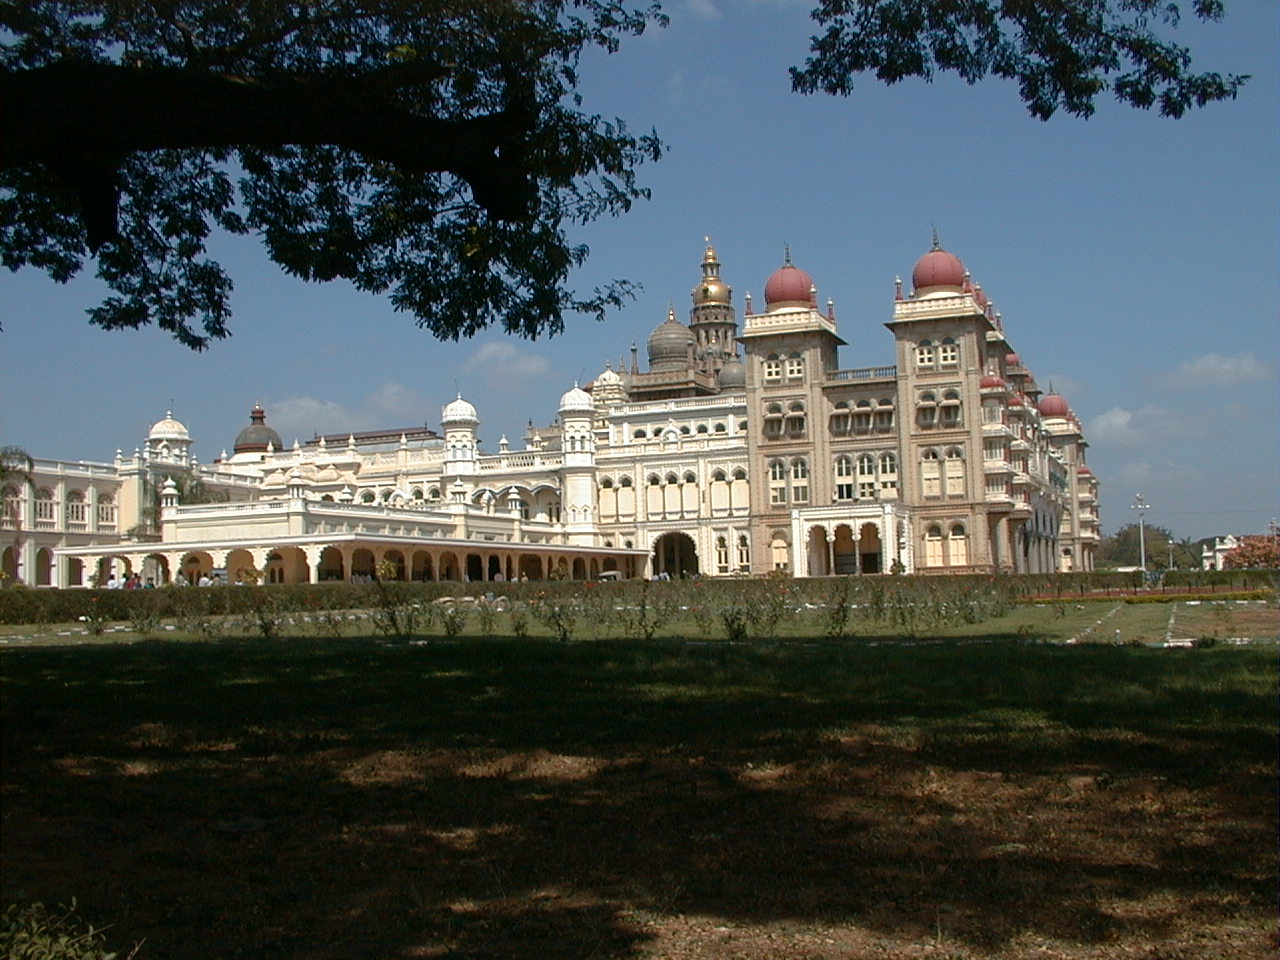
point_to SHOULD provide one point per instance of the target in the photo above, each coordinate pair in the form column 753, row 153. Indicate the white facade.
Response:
column 743, row 448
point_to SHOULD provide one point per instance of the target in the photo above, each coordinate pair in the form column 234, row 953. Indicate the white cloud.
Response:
column 1114, row 426
column 391, row 405
column 1132, row 473
column 505, row 368
column 703, row 9
column 1214, row 370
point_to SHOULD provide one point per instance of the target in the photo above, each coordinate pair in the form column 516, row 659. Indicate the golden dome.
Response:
column 711, row 289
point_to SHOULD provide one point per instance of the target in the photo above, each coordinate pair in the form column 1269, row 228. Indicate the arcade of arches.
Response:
column 359, row 561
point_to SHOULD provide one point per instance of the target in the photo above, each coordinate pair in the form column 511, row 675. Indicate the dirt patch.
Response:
column 323, row 820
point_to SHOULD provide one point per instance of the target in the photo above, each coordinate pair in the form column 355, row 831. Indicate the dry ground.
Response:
column 522, row 800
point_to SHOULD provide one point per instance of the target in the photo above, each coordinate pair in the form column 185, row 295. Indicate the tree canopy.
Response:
column 1254, row 552
column 432, row 150
column 1062, row 53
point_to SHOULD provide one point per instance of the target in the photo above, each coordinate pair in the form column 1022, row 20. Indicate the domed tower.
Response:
column 257, row 438
column 608, row 386
column 712, row 321
column 168, row 441
column 578, row 447
column 670, row 344
column 459, row 420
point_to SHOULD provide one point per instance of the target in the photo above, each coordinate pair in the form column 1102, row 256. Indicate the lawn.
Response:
column 347, row 798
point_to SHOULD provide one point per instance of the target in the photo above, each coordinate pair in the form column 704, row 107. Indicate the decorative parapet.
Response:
column 934, row 308
column 794, row 320
column 863, row 373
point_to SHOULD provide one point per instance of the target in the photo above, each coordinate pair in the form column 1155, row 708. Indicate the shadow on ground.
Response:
column 615, row 800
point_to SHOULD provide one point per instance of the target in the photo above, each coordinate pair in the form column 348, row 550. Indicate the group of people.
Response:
column 132, row 581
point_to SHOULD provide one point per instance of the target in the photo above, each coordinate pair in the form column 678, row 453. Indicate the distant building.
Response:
column 742, row 448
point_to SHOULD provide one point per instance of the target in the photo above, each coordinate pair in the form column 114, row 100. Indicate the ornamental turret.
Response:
column 578, row 447
column 712, row 321
column 459, row 420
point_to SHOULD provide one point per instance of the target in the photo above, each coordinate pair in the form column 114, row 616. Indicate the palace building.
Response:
column 742, row 448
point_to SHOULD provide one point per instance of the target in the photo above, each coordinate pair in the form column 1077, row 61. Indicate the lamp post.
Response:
column 1141, row 505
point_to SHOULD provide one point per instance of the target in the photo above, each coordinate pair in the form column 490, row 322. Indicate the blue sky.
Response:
column 1134, row 260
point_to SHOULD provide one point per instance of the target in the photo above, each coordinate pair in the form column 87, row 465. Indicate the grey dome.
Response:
column 257, row 436
column 669, row 343
column 733, row 374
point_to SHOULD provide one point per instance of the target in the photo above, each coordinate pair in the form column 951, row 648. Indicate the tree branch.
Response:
column 81, row 120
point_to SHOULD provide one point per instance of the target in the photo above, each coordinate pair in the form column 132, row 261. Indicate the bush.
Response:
column 34, row 932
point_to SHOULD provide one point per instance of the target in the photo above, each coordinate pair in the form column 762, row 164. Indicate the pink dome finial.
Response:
column 937, row 268
column 789, row 286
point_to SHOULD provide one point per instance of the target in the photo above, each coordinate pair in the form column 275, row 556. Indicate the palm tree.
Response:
column 16, row 467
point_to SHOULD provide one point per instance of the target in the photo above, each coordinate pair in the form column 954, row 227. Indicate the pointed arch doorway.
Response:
column 675, row 554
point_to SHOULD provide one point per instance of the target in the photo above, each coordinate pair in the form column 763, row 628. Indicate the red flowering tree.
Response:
column 1253, row 553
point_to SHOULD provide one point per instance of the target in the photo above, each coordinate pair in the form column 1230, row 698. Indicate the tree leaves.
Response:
column 1062, row 53
column 429, row 148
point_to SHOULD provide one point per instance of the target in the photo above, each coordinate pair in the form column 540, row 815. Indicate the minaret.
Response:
column 459, row 421
column 578, row 484
column 711, row 318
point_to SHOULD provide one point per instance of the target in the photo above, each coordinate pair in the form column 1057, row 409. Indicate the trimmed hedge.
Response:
column 963, row 596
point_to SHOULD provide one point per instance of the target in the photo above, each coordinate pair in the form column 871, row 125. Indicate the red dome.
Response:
column 937, row 268
column 991, row 380
column 789, row 284
column 1053, row 405
column 1015, row 401
column 1084, row 470
column 1012, row 360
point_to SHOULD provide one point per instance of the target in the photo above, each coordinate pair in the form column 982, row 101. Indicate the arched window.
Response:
column 795, row 367
column 434, row 494
column 684, row 430
column 777, row 481
column 689, row 477
column 720, row 428
column 744, row 554
column 719, row 476
column 771, row 370
column 866, row 476
column 367, row 497
column 799, row 480
column 722, row 554
column 925, row 355
column 948, row 354
column 779, row 553
column 888, row 476
column 702, row 428
column 77, row 509
column 949, row 410
column 417, row 493
column 739, row 474
column 840, row 419
column 844, row 478
column 884, row 415
column 46, row 508
column 106, row 510
column 639, row 435
column 930, row 474
column 933, row 546
column 773, row 421
column 927, row 409
column 795, row 422
column 958, row 547
column 606, row 483
column 654, row 480
column 955, row 472
column 862, row 417
column 672, row 478
column 624, row 482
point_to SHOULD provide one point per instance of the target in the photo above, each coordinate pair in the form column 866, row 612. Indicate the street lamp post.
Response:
column 1141, row 505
